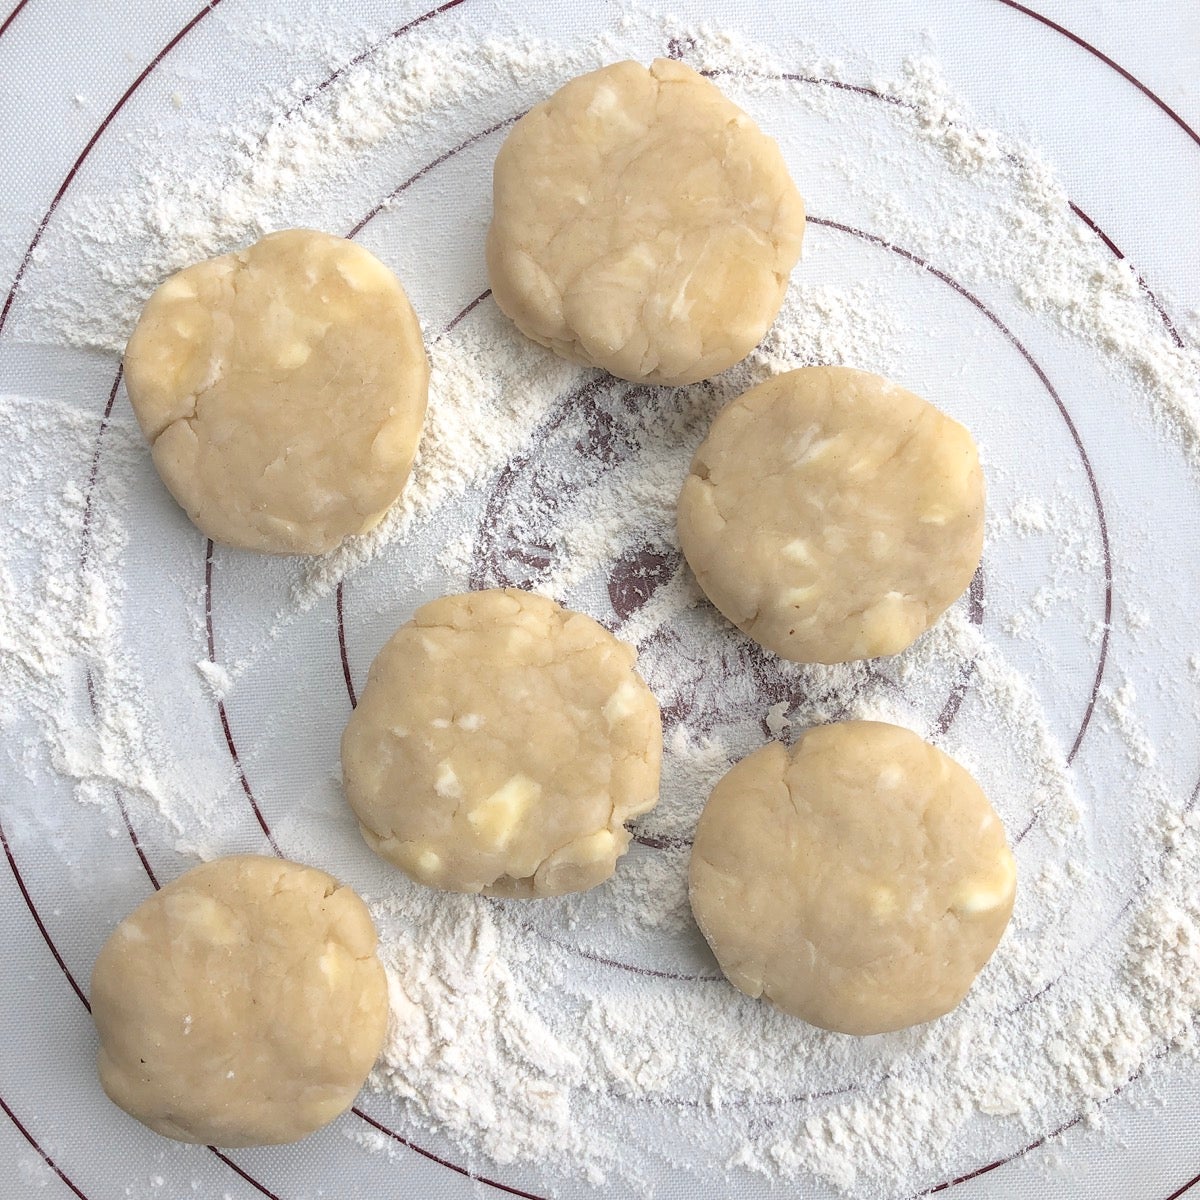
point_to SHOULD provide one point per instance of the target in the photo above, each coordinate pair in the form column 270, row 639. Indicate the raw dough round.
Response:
column 500, row 745
column 860, row 881
column 833, row 515
column 644, row 224
column 282, row 389
column 242, row 1005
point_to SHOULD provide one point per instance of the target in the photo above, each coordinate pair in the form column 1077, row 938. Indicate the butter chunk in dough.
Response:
column 859, row 881
column 500, row 745
column 283, row 390
column 241, row 1005
column 833, row 515
column 644, row 224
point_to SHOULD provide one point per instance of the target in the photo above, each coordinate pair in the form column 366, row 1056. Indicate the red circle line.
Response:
column 86, row 545
column 874, row 239
column 954, row 702
column 24, row 1131
column 1019, row 346
column 362, row 55
column 222, row 714
column 91, row 143
column 12, row 16
column 236, row 757
column 79, row 992
column 366, row 53
column 1108, row 62
column 41, row 925
column 1009, row 335
column 85, row 551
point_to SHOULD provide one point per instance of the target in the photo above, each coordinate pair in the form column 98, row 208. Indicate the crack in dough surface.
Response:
column 832, row 515
column 241, row 1005
column 859, row 881
column 500, row 746
column 644, row 224
column 282, row 389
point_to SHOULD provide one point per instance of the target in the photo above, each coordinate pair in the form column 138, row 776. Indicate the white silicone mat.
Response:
column 86, row 92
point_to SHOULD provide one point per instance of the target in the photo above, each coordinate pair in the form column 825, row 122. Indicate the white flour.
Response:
column 55, row 630
column 515, row 1030
column 1047, row 255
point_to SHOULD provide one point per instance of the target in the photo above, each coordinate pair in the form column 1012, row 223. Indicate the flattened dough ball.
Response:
column 500, row 745
column 832, row 515
column 282, row 389
column 644, row 224
column 241, row 1005
column 859, row 881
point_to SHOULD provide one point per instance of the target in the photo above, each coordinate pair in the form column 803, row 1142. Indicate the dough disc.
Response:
column 859, row 881
column 833, row 515
column 500, row 745
column 644, row 224
column 241, row 1005
column 283, row 390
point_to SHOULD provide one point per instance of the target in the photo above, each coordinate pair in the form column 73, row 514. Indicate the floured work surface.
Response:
column 164, row 700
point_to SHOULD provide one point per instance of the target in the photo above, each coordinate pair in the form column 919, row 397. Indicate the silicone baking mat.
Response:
column 87, row 92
